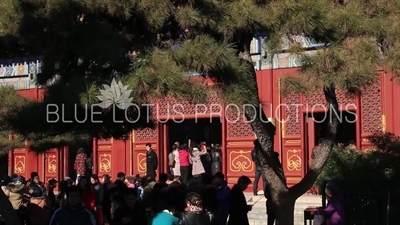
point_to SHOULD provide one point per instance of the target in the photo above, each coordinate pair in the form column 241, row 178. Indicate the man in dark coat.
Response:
column 216, row 156
column 73, row 212
column 151, row 162
column 238, row 207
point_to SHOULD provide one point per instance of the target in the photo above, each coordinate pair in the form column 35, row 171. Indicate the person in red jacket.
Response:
column 89, row 195
column 184, row 163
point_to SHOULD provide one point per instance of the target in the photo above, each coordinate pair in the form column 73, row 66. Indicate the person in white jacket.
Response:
column 197, row 165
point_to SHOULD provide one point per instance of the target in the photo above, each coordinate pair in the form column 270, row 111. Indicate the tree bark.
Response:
column 283, row 198
column 323, row 150
column 282, row 201
column 285, row 210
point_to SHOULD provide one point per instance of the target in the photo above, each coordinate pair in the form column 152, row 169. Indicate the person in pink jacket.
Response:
column 184, row 162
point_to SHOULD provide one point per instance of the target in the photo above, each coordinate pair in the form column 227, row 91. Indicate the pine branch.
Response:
column 43, row 142
column 6, row 144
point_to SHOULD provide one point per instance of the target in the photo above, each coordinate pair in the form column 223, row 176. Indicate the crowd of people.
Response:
column 195, row 161
column 194, row 192
column 177, row 198
column 92, row 201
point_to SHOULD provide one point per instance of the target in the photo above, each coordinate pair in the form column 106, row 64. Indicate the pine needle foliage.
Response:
column 360, row 36
column 85, row 44
column 10, row 104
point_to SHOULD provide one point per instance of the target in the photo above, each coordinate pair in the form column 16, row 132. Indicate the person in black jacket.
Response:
column 151, row 162
column 210, row 203
column 132, row 212
column 35, row 182
column 106, row 207
column 73, row 212
column 216, row 159
column 51, row 196
column 194, row 213
column 238, row 207
column 99, row 190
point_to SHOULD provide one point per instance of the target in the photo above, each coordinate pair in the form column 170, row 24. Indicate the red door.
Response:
column 310, row 124
column 164, row 149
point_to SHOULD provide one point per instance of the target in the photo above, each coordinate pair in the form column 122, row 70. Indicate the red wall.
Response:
column 391, row 103
column 129, row 155
column 34, row 93
column 50, row 165
column 290, row 138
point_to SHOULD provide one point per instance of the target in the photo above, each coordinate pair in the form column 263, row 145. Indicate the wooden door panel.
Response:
column 310, row 137
column 165, row 147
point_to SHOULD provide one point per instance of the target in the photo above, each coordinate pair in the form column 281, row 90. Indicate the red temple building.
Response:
column 373, row 111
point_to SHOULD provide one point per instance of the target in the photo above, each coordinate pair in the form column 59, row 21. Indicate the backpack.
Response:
column 171, row 159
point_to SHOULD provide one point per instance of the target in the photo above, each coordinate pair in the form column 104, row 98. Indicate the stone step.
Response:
column 305, row 198
column 258, row 215
column 260, row 212
column 296, row 206
column 263, row 213
column 298, row 220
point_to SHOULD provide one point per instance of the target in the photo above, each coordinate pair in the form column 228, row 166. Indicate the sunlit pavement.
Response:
column 258, row 216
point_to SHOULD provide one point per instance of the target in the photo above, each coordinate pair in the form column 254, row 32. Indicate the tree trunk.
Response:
column 323, row 150
column 284, row 198
column 285, row 210
column 282, row 201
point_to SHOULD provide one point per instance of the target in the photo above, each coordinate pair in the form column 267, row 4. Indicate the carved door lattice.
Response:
column 146, row 134
column 318, row 98
column 371, row 109
column 237, row 125
column 170, row 106
column 293, row 115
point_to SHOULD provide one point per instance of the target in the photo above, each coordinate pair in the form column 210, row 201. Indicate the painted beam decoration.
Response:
column 263, row 60
column 20, row 67
column 20, row 73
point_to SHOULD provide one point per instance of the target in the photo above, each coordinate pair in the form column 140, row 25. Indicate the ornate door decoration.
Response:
column 52, row 164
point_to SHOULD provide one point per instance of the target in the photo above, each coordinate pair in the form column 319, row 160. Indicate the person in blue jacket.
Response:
column 223, row 192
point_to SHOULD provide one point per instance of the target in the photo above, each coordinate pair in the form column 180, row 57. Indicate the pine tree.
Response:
column 83, row 43
column 10, row 104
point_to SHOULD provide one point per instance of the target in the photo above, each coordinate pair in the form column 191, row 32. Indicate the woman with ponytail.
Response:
column 194, row 213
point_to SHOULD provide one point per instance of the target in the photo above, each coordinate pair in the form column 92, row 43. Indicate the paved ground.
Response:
column 258, row 216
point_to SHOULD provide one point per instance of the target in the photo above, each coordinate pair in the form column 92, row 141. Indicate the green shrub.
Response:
column 365, row 171
column 368, row 179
